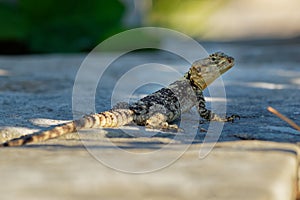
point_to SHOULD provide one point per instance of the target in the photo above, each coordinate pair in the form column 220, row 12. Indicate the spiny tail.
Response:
column 113, row 118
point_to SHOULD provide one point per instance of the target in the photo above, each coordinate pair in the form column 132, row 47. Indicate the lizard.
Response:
column 157, row 110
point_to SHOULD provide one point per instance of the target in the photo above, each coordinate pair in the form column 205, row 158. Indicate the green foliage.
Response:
column 13, row 27
column 60, row 26
column 187, row 16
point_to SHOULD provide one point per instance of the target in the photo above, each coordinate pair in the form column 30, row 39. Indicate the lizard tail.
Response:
column 113, row 118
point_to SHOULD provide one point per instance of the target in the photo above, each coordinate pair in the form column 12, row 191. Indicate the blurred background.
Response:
column 49, row 26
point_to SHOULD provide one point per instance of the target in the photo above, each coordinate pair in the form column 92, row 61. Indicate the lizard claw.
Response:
column 232, row 118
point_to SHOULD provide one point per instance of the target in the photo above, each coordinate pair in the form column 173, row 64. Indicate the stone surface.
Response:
column 36, row 92
column 241, row 170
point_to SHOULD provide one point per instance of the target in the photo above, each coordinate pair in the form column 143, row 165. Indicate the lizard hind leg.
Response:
column 159, row 121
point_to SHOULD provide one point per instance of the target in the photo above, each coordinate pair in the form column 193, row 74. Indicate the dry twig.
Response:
column 284, row 118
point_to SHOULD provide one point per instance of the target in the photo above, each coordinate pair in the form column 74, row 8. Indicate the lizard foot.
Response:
column 232, row 118
column 172, row 127
column 163, row 126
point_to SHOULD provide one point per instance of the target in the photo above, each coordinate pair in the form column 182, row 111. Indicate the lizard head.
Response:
column 203, row 72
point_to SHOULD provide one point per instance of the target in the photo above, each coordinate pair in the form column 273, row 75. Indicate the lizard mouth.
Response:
column 227, row 65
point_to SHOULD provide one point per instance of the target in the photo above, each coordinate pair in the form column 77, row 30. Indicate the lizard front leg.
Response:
column 209, row 115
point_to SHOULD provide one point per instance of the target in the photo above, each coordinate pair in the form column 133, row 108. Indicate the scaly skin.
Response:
column 156, row 110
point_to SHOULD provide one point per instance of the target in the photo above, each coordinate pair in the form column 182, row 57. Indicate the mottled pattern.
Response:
column 156, row 110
